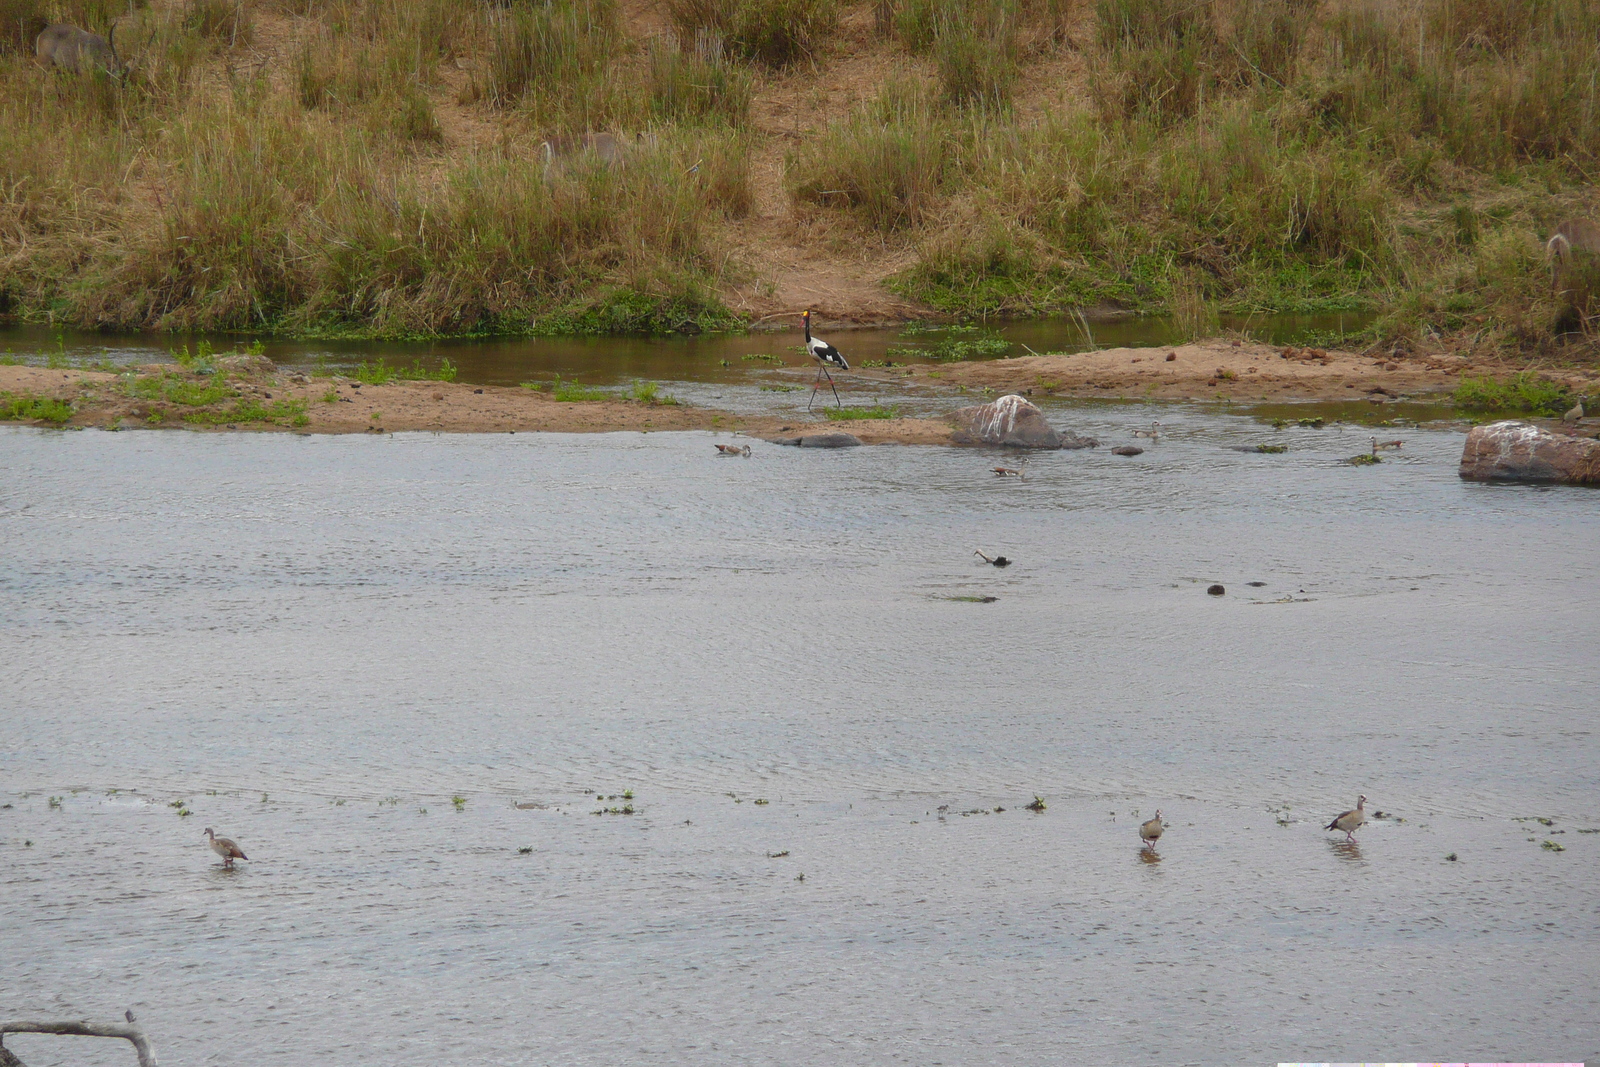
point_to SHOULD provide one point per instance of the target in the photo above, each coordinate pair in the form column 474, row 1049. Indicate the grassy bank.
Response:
column 415, row 167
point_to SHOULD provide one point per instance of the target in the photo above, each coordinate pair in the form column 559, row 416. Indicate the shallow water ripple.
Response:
column 316, row 643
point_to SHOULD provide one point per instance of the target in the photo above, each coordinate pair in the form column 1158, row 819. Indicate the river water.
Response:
column 397, row 670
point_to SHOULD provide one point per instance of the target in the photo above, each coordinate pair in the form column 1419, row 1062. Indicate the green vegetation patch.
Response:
column 380, row 373
column 957, row 343
column 26, row 407
column 876, row 411
column 249, row 409
column 570, row 392
column 180, row 389
column 1522, row 394
column 633, row 311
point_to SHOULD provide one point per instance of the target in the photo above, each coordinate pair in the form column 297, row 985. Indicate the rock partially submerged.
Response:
column 820, row 440
column 1011, row 421
column 1522, row 452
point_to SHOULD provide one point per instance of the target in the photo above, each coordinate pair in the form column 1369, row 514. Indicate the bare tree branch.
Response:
column 84, row 1028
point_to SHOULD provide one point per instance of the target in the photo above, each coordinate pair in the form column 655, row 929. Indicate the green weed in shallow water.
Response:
column 380, row 373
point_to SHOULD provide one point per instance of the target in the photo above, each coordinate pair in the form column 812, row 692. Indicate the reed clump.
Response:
column 777, row 33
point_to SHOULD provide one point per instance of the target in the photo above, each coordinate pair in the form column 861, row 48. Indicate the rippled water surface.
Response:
column 316, row 643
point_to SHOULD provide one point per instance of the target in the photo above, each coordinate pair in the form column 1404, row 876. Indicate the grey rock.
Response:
column 1521, row 452
column 820, row 440
column 247, row 365
column 1127, row 450
column 1011, row 420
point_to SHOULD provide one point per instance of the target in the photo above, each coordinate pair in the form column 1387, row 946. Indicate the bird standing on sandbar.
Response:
column 1150, row 830
column 1351, row 820
column 225, row 847
column 826, row 356
column 1574, row 413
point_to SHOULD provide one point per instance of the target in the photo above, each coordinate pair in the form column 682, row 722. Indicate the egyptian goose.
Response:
column 1019, row 471
column 1154, row 432
column 1574, row 414
column 225, row 847
column 1150, row 830
column 998, row 561
column 733, row 450
column 1351, row 820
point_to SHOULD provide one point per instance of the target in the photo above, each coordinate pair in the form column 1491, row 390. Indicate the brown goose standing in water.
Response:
column 1150, row 830
column 225, row 847
column 1351, row 820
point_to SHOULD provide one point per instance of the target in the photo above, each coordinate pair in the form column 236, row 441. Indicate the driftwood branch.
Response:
column 84, row 1028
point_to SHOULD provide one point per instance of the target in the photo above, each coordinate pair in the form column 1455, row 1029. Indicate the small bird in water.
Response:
column 733, row 450
column 1154, row 432
column 1150, row 830
column 225, row 847
column 1574, row 414
column 1378, row 445
column 1019, row 471
column 998, row 561
column 128, row 1015
column 1351, row 820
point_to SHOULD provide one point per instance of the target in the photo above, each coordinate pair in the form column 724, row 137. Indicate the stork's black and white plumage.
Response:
column 826, row 356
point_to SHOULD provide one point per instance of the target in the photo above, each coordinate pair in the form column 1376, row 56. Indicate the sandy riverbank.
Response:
column 268, row 401
column 248, row 393
column 1215, row 370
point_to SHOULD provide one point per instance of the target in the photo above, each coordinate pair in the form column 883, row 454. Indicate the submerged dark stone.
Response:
column 820, row 440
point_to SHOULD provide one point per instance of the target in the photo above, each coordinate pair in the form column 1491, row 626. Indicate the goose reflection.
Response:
column 1349, row 851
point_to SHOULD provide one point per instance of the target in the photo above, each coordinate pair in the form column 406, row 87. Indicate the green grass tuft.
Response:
column 876, row 411
column 1521, row 394
column 28, row 408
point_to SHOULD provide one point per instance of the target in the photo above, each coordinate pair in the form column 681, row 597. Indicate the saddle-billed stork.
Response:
column 826, row 356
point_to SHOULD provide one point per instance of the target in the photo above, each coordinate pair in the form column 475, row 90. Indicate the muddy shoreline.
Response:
column 262, row 397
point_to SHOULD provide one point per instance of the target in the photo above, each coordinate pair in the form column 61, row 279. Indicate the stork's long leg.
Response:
column 835, row 388
column 822, row 372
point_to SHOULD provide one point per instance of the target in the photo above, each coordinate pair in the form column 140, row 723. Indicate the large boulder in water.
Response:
column 1522, row 452
column 1012, row 421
